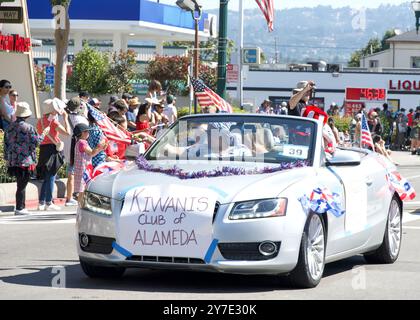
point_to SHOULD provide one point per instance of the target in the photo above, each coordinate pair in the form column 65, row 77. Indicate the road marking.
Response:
column 413, row 177
column 411, row 228
column 409, row 217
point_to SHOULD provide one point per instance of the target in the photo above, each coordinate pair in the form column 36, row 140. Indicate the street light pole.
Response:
column 416, row 7
column 221, row 68
column 196, row 51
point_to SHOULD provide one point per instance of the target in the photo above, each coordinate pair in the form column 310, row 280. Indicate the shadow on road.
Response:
column 167, row 281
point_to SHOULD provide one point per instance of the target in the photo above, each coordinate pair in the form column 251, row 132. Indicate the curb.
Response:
column 8, row 192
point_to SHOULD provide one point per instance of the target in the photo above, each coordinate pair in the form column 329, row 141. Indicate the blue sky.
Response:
column 279, row 4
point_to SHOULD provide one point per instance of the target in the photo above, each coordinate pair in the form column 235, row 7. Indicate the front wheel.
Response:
column 311, row 262
column 93, row 271
column 389, row 250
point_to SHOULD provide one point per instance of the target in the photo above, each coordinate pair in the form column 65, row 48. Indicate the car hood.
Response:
column 229, row 188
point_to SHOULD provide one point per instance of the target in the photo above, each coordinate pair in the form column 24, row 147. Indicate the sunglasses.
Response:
column 14, row 95
column 7, row 87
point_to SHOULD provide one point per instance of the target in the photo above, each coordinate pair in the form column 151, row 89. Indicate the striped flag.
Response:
column 366, row 138
column 402, row 186
column 111, row 131
column 267, row 7
column 207, row 97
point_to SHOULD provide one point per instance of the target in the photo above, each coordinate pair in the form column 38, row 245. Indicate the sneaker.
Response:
column 52, row 207
column 22, row 212
column 71, row 203
column 41, row 207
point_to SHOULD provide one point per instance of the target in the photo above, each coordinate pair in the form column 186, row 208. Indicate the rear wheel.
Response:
column 389, row 250
column 93, row 271
column 311, row 262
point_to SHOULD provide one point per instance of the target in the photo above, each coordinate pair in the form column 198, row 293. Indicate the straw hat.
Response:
column 53, row 105
column 134, row 102
column 23, row 110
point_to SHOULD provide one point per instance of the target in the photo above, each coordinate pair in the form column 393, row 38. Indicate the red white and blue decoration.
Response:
column 106, row 167
column 401, row 185
column 322, row 200
column 225, row 171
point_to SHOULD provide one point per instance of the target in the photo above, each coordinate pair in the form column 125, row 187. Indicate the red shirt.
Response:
column 54, row 124
column 410, row 119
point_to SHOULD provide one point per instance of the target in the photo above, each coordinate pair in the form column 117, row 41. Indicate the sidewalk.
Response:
column 406, row 159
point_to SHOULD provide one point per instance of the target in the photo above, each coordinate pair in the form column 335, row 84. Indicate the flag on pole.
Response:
column 366, row 138
column 111, row 131
column 267, row 7
column 207, row 97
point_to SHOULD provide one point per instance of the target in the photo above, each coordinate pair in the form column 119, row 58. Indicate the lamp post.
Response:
column 416, row 7
column 195, row 9
column 222, row 59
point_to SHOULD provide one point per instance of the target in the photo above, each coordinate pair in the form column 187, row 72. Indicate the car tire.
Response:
column 304, row 275
column 390, row 248
column 93, row 271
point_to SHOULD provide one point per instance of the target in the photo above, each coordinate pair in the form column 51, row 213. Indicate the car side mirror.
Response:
column 344, row 158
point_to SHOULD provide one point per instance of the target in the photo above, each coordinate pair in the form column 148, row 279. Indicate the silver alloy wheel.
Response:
column 315, row 247
column 394, row 229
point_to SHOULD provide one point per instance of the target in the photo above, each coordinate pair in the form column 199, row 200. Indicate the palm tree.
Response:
column 61, row 35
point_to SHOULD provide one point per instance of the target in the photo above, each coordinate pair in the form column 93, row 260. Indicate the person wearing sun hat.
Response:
column 301, row 96
column 20, row 152
column 51, row 156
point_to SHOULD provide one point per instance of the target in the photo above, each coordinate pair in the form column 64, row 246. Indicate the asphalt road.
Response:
column 35, row 250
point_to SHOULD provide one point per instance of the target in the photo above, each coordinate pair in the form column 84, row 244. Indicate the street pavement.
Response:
column 36, row 249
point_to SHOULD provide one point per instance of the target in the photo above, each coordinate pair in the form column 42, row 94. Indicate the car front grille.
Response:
column 245, row 251
column 98, row 244
column 158, row 259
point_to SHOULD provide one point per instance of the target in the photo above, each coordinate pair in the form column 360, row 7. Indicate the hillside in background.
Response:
column 320, row 33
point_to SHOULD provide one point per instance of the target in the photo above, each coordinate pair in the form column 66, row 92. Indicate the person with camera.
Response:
column 300, row 99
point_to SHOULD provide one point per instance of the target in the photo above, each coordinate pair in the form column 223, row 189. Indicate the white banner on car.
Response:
column 167, row 221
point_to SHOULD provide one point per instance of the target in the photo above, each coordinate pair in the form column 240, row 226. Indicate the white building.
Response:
column 121, row 22
column 404, row 53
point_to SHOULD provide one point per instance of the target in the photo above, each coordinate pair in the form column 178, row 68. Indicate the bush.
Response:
column 90, row 72
column 342, row 124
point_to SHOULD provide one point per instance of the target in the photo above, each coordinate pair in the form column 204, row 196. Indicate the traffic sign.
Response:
column 49, row 75
column 11, row 15
column 232, row 73
column 251, row 56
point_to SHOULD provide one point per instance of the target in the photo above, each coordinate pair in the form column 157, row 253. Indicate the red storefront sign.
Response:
column 14, row 43
column 406, row 85
column 351, row 108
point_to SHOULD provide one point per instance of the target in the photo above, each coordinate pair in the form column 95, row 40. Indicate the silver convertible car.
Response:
column 244, row 194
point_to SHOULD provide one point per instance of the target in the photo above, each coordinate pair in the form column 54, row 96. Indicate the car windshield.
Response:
column 268, row 139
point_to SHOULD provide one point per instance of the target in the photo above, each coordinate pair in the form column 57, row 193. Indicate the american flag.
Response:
column 111, row 131
column 322, row 200
column 365, row 132
column 402, row 186
column 267, row 7
column 207, row 97
column 106, row 167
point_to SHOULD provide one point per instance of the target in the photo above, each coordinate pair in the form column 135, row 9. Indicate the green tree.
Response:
column 90, row 71
column 61, row 35
column 374, row 45
column 122, row 71
column 388, row 34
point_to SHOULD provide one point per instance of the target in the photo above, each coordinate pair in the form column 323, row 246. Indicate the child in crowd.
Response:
column 83, row 155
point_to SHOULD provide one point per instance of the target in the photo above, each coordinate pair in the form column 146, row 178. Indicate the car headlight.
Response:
column 97, row 203
column 257, row 209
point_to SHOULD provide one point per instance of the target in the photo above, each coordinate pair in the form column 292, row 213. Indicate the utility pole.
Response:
column 240, row 47
column 277, row 52
column 221, row 68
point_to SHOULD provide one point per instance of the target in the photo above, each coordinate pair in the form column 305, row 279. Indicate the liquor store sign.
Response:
column 11, row 15
column 14, row 43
